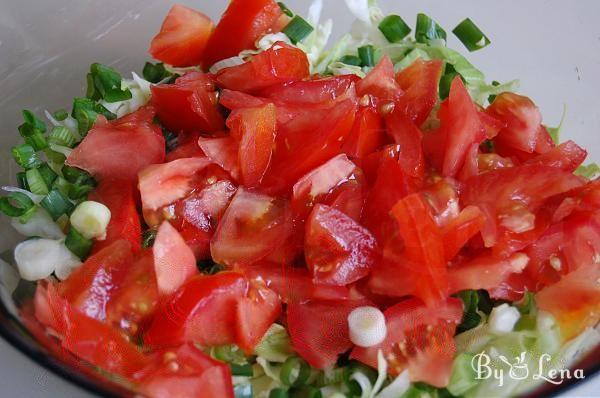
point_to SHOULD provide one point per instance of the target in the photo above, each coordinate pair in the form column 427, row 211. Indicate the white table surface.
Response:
column 553, row 46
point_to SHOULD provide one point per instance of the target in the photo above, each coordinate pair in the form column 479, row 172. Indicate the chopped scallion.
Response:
column 60, row 115
column 470, row 35
column 55, row 157
column 367, row 55
column 278, row 393
column 22, row 180
column 294, row 372
column 427, row 29
column 105, row 83
column 351, row 60
column 78, row 244
column 47, row 174
column 148, row 238
column 241, row 370
column 62, row 136
column 57, row 204
column 16, row 204
column 26, row 156
column 33, row 121
column 37, row 141
column 306, row 392
column 155, row 73
column 394, row 28
column 297, row 29
column 285, row 9
column 85, row 111
column 36, row 182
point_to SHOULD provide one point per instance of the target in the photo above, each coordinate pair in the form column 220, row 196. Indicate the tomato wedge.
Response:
column 420, row 339
column 367, row 135
column 567, row 156
column 380, row 82
column 311, row 92
column 224, row 152
column 420, row 82
column 189, row 105
column 338, row 250
column 120, row 148
column 183, row 372
column 241, row 25
column 319, row 330
column 174, row 261
column 253, row 226
column 410, row 139
column 183, row 37
column 281, row 63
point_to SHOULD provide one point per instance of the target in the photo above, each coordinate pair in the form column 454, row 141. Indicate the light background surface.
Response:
column 46, row 47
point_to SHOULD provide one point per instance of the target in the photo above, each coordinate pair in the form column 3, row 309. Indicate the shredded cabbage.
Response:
column 275, row 345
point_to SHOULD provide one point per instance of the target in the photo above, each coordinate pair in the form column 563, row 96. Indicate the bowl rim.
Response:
column 75, row 377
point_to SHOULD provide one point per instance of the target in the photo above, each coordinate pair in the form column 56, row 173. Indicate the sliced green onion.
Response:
column 278, row 393
column 471, row 318
column 470, row 35
column 33, row 121
column 394, row 28
column 427, row 29
column 74, row 175
column 367, row 55
column 62, row 185
column 306, row 392
column 62, row 136
column 351, row 60
column 37, row 141
column 22, row 180
column 241, row 370
column 36, row 182
column 294, row 366
column 47, row 174
column 155, row 73
column 60, row 115
column 85, row 112
column 105, row 83
column 148, row 238
column 26, row 156
column 57, row 204
column 16, row 204
column 78, row 244
column 297, row 29
column 285, row 9
column 55, row 157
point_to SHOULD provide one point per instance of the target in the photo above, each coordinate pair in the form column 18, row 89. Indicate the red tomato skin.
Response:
column 241, row 25
column 319, row 330
column 484, row 271
column 279, row 64
column 523, row 121
column 120, row 198
column 183, row 37
column 252, row 227
column 203, row 311
column 224, row 152
column 410, row 139
column 293, row 284
column 311, row 92
column 187, row 147
column 367, row 135
column 380, row 82
column 91, row 286
column 423, row 246
column 195, row 372
column 120, row 148
column 338, row 250
column 420, row 83
column 426, row 337
column 459, row 231
column 463, row 127
column 567, row 156
column 188, row 105
column 255, row 129
column 174, row 261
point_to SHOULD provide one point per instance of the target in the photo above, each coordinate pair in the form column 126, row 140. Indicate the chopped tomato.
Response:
column 255, row 129
column 315, row 91
column 510, row 196
column 189, row 105
column 442, row 196
column 253, row 226
column 420, row 83
column 134, row 302
column 410, row 139
column 574, row 300
column 462, row 125
column 319, row 330
column 244, row 22
column 183, row 372
column 338, row 250
column 203, row 311
column 419, row 339
column 281, row 63
column 165, row 183
column 523, row 121
column 120, row 198
column 423, row 245
column 567, row 156
column 380, row 82
column 460, row 230
column 91, row 286
column 367, row 134
column 187, row 147
column 224, row 152
column 120, row 148
column 293, row 284
column 182, row 38
column 174, row 261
